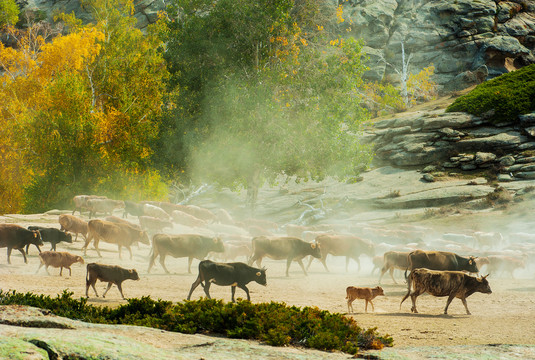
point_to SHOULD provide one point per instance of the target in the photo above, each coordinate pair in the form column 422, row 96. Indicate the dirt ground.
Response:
column 503, row 317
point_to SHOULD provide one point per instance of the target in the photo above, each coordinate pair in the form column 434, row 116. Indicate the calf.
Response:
column 121, row 234
column 366, row 293
column 16, row 237
column 73, row 224
column 227, row 274
column 105, row 206
column 51, row 235
column 58, row 259
column 444, row 283
column 112, row 274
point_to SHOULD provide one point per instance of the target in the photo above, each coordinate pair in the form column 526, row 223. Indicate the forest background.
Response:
column 233, row 93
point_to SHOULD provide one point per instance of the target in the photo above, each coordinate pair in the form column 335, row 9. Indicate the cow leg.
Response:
column 23, row 254
column 86, row 243
column 69, row 270
column 373, row 307
column 60, row 270
column 109, row 287
column 119, row 249
column 350, row 306
column 383, row 271
column 288, row 262
column 39, row 268
column 206, row 288
column 392, row 275
column 300, row 262
column 366, row 307
column 152, row 257
column 310, row 262
column 413, row 298
column 95, row 244
column 162, row 262
column 233, row 291
column 194, row 285
column 91, row 283
column 244, row 288
column 323, row 260
column 130, row 250
column 190, row 260
column 450, row 298
column 465, row 306
column 120, row 287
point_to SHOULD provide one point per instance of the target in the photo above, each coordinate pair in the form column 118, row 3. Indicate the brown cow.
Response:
column 112, row 274
column 394, row 260
column 80, row 202
column 504, row 265
column 183, row 218
column 73, row 224
column 151, row 223
column 186, row 245
column 16, row 237
column 279, row 248
column 121, row 234
column 105, row 206
column 365, row 293
column 58, row 259
column 444, row 283
column 352, row 247
column 441, row 260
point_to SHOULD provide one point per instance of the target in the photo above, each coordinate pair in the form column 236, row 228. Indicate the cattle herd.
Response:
column 441, row 264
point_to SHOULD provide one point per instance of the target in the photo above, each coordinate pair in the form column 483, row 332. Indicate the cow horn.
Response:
column 484, row 277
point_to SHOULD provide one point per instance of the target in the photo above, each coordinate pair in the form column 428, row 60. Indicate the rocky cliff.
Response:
column 463, row 39
column 466, row 40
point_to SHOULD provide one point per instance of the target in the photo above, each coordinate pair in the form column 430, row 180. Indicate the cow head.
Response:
column 68, row 238
column 218, row 245
column 36, row 238
column 315, row 250
column 378, row 291
column 133, row 274
column 260, row 276
column 144, row 238
column 80, row 259
column 472, row 265
column 483, row 285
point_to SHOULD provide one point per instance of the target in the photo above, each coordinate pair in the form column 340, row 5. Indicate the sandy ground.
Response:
column 503, row 317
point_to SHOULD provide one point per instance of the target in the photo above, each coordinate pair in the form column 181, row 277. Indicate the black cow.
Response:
column 112, row 274
column 51, row 235
column 444, row 283
column 14, row 236
column 227, row 274
column 133, row 208
column 278, row 248
column 441, row 260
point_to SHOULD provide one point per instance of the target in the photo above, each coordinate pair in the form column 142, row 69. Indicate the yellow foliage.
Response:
column 420, row 87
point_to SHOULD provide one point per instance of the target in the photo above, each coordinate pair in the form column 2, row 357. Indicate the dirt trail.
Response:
column 503, row 317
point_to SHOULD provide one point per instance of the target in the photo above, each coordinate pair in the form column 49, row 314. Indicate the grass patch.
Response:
column 506, row 96
column 275, row 324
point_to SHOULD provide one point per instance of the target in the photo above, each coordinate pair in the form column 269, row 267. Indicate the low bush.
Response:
column 275, row 324
column 503, row 98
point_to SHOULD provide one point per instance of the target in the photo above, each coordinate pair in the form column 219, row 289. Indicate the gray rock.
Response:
column 505, row 178
column 468, row 167
column 506, row 140
column 526, row 146
column 525, row 175
column 507, row 160
column 530, row 131
column 483, row 157
column 527, row 119
column 525, row 160
column 428, row 178
column 429, row 168
column 466, row 157
column 450, row 165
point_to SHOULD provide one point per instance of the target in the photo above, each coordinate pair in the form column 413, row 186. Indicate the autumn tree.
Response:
column 84, row 105
column 263, row 95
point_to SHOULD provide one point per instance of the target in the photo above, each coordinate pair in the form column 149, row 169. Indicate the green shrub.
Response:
column 508, row 96
column 274, row 323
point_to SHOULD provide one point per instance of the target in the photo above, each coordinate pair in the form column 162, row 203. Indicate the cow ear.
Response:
column 484, row 277
column 258, row 273
column 313, row 245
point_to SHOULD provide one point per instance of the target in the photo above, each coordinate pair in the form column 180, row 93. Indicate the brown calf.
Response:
column 58, row 259
column 367, row 294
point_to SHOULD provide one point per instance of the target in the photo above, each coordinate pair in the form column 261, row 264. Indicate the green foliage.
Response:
column 260, row 97
column 9, row 12
column 273, row 323
column 507, row 96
